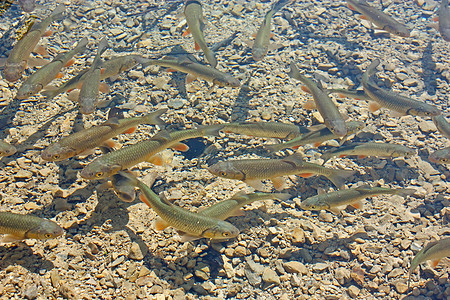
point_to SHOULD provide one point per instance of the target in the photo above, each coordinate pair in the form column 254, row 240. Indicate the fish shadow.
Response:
column 429, row 69
column 239, row 111
column 21, row 254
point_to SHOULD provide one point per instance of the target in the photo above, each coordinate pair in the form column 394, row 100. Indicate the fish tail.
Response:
column 274, row 147
column 50, row 94
column 57, row 13
column 279, row 5
column 281, row 196
column 338, row 176
column 81, row 46
column 211, row 57
column 405, row 192
column 326, row 156
column 213, row 130
column 154, row 117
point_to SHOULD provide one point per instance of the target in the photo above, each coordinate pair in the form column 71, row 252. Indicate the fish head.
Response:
column 13, row 71
column 222, row 231
column 130, row 61
column 58, row 152
column 338, row 127
column 227, row 80
column 355, row 127
column 99, row 169
column 7, row 151
column 440, row 157
column 403, row 152
column 45, row 230
column 424, row 111
column 28, row 90
column 313, row 204
column 226, row 169
column 88, row 106
column 258, row 53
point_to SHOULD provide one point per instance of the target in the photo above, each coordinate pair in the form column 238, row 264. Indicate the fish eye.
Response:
column 47, row 235
column 56, row 156
column 313, row 206
column 222, row 173
column 444, row 159
column 99, row 174
column 226, row 234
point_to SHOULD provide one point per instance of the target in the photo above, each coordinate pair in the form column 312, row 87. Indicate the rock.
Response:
column 325, row 216
column 295, row 267
column 270, row 276
column 353, row 291
column 298, row 236
column 202, row 271
column 136, row 252
column 23, row 174
column 31, row 292
column 401, row 287
column 253, row 278
column 320, row 267
column 427, row 126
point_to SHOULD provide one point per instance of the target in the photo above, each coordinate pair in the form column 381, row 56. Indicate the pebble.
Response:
column 295, row 267
column 401, row 287
column 270, row 276
column 136, row 252
column 353, row 291
column 320, row 267
column 427, row 126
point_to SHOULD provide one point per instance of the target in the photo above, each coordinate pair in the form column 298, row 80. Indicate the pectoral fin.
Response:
column 358, row 204
column 160, row 224
column 374, row 106
column 9, row 238
column 255, row 183
column 180, row 147
column 335, row 210
column 187, row 238
column 434, row 263
column 279, row 183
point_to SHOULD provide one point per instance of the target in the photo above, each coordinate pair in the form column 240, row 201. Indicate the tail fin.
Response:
column 281, row 196
column 296, row 158
column 326, row 156
column 405, row 192
column 338, row 176
column 57, row 13
column 213, row 130
column 154, row 117
column 211, row 58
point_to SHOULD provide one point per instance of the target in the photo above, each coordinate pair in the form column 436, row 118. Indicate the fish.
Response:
column 252, row 171
column 194, row 18
column 400, row 104
column 225, row 42
column 27, row 5
column 369, row 149
column 265, row 129
column 260, row 46
column 336, row 201
column 336, row 176
column 355, row 94
column 317, row 137
column 433, row 251
column 88, row 97
column 16, row 62
column 444, row 20
column 441, row 156
column 6, row 149
column 110, row 68
column 189, row 224
column 327, row 109
column 232, row 207
column 379, row 18
column 126, row 157
column 82, row 141
column 442, row 125
column 194, row 70
column 19, row 227
column 38, row 80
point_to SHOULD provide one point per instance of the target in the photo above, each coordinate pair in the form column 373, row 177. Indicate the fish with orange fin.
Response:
column 317, row 137
column 401, row 105
column 379, row 18
column 433, row 251
column 194, row 18
column 266, row 129
column 369, row 149
column 336, row 201
column 355, row 94
column 88, row 97
column 16, row 62
column 331, row 116
column 82, row 141
column 442, row 125
column 441, row 156
column 147, row 150
column 38, row 80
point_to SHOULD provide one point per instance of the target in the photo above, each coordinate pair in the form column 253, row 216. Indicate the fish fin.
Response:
column 279, row 183
column 306, row 175
column 362, row 156
column 374, row 106
column 112, row 121
column 130, row 130
column 351, row 7
column 144, row 199
column 188, row 238
column 190, row 78
column 397, row 114
column 237, row 213
column 86, row 152
column 10, row 238
column 405, row 192
column 335, row 210
column 210, row 90
column 160, row 224
column 69, row 63
column 341, row 95
column 156, row 160
column 249, row 43
column 320, row 191
column 309, row 105
column 436, row 19
column 48, row 33
column 171, row 70
column 255, row 183
column 305, row 89
column 339, row 176
column 254, row 35
column 102, row 71
column 281, row 196
column 103, row 87
column 59, row 75
column 186, row 32
column 180, row 147
column 363, row 17
column 296, row 147
column 196, row 46
column 36, row 61
column 296, row 158
column 273, row 47
column 358, row 204
column 317, row 144
column 41, row 50
column 342, row 155
column 434, row 263
column 112, row 144
column 154, row 117
column 73, row 95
